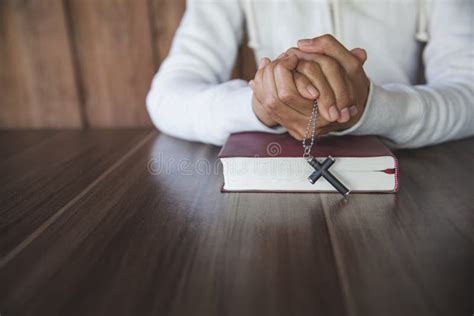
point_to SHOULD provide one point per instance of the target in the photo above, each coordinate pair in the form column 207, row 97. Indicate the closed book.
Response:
column 260, row 162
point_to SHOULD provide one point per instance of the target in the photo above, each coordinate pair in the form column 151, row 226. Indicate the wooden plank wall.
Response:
column 85, row 63
column 38, row 86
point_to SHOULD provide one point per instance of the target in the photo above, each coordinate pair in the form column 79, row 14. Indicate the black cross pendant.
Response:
column 322, row 170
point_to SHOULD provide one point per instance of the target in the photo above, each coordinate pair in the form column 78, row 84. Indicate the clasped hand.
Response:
column 319, row 69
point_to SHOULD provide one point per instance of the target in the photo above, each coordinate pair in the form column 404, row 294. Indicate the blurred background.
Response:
column 86, row 63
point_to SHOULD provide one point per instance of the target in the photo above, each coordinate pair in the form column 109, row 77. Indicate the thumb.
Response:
column 289, row 62
column 360, row 54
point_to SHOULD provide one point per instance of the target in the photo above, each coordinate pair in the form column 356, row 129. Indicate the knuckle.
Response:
column 286, row 96
column 292, row 51
column 268, row 101
column 279, row 68
column 354, row 65
column 308, row 67
column 326, row 39
column 330, row 63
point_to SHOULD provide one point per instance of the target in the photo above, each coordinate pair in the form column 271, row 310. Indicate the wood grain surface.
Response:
column 38, row 87
column 151, row 234
column 113, row 46
column 165, row 18
column 86, row 63
column 39, row 181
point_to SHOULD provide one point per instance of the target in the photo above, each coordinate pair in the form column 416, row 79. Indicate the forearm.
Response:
column 441, row 110
column 191, row 96
column 189, row 109
column 415, row 116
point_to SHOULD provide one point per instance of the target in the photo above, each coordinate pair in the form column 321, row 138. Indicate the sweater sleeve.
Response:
column 192, row 96
column 441, row 110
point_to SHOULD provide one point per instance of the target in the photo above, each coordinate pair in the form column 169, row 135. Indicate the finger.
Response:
column 352, row 97
column 329, row 46
column 280, row 112
column 360, row 53
column 339, row 84
column 286, row 87
column 288, row 63
column 305, row 87
column 337, row 79
column 344, row 116
column 353, row 110
column 261, row 113
column 326, row 100
column 271, row 100
column 263, row 63
column 258, row 87
column 252, row 85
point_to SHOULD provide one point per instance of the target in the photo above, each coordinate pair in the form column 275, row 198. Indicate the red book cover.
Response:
column 266, row 145
column 256, row 144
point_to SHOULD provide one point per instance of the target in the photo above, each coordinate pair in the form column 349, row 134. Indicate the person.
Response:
column 359, row 60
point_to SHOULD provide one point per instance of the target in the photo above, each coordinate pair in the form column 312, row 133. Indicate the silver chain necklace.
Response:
column 320, row 169
column 311, row 127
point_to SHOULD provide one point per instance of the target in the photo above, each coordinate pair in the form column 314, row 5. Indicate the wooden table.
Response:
column 132, row 222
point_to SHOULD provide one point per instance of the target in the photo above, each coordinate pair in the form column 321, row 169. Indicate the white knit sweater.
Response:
column 192, row 96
